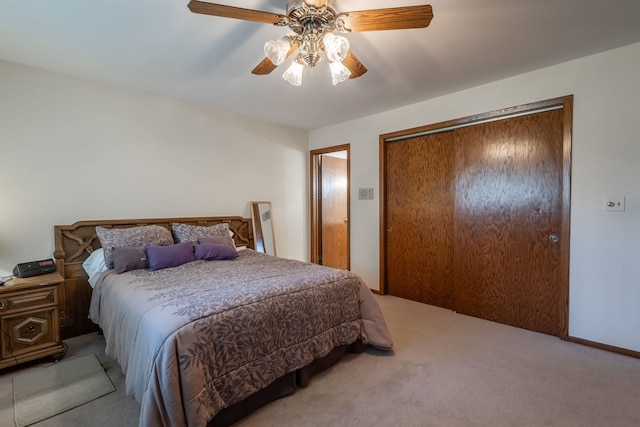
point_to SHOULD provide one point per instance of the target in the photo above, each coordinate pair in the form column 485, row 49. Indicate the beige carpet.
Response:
column 447, row 370
column 113, row 409
column 42, row 393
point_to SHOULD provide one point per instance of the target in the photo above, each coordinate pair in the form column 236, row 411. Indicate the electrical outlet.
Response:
column 614, row 204
column 69, row 320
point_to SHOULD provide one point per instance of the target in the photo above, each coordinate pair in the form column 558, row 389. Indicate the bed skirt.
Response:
column 283, row 386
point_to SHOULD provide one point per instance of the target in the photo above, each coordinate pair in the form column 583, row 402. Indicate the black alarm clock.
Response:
column 34, row 268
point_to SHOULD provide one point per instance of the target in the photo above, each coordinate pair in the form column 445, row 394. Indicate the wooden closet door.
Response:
column 472, row 215
column 419, row 208
column 508, row 208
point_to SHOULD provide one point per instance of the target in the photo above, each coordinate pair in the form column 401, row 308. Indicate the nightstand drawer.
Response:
column 28, row 299
column 28, row 332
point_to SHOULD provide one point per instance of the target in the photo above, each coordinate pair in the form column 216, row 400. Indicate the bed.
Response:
column 210, row 339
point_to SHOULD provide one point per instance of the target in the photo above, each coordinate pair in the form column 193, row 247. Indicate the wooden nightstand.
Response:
column 30, row 319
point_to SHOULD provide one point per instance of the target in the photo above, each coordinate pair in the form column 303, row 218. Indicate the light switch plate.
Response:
column 614, row 203
column 365, row 193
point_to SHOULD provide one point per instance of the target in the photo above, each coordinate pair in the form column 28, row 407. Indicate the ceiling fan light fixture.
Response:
column 339, row 72
column 294, row 73
column 276, row 50
column 335, row 47
column 314, row 22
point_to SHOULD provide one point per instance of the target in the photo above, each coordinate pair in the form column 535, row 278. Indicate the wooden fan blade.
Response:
column 354, row 65
column 266, row 66
column 233, row 12
column 395, row 18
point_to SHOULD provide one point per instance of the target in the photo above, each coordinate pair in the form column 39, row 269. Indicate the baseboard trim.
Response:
column 611, row 348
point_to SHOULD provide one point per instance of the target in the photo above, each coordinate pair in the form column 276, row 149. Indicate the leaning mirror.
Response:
column 263, row 227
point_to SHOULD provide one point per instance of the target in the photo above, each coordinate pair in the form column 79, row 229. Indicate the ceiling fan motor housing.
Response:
column 311, row 20
column 318, row 14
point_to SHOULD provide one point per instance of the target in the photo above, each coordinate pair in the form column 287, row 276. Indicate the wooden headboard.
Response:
column 74, row 243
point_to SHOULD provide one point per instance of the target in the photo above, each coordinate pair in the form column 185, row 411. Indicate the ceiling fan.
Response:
column 313, row 23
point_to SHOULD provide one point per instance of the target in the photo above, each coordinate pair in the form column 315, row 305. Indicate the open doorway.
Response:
column 330, row 206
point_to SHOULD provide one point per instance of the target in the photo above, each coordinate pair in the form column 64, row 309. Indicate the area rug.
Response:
column 44, row 392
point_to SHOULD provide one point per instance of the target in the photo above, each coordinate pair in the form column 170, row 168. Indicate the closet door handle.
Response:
column 554, row 238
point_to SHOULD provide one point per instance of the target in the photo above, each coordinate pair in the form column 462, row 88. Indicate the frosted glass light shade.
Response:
column 294, row 73
column 339, row 72
column 276, row 50
column 336, row 47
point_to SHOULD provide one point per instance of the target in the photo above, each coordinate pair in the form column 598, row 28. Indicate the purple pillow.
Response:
column 169, row 256
column 212, row 251
column 127, row 259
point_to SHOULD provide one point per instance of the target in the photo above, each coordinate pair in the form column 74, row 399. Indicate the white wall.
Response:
column 72, row 150
column 605, row 246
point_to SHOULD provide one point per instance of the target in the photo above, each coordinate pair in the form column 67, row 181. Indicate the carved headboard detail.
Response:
column 74, row 243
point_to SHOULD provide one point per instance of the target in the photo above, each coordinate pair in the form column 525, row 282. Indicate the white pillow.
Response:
column 95, row 265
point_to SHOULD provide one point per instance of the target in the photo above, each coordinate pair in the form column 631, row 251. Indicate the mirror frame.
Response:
column 258, row 232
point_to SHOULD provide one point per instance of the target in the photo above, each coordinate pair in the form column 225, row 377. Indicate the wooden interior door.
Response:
column 333, row 210
column 476, row 220
column 330, row 198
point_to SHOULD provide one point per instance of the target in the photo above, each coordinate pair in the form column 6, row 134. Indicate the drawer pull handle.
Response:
column 1, row 305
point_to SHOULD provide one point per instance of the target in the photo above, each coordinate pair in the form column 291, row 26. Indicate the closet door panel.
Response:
column 419, row 218
column 507, row 205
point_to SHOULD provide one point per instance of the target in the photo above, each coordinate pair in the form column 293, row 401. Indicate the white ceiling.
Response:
column 159, row 46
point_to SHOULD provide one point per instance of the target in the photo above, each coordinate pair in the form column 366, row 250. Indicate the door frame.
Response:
column 566, row 104
column 315, row 196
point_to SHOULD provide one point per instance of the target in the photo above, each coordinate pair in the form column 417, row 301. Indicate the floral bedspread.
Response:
column 194, row 339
